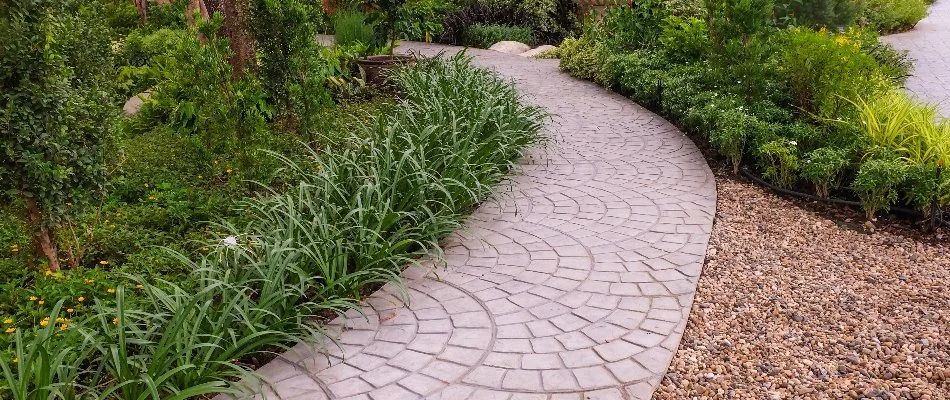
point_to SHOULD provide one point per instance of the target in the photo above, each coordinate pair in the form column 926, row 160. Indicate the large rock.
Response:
column 133, row 105
column 510, row 47
column 537, row 50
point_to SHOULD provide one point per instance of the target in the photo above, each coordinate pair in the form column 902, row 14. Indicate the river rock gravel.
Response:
column 803, row 301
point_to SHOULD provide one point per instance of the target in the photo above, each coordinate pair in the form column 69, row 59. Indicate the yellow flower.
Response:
column 10, row 330
column 8, row 321
column 200, row 177
column 81, row 299
column 88, row 280
column 104, row 262
column 204, row 249
column 111, row 290
column 15, row 248
column 229, row 170
column 32, row 298
column 146, row 185
column 48, row 273
column 139, row 286
column 152, row 197
column 69, row 310
column 60, row 319
column 44, row 322
column 15, row 360
column 63, row 327
column 41, row 302
column 215, row 162
column 115, row 321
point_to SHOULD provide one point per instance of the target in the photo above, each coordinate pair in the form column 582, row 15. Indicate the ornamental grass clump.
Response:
column 365, row 207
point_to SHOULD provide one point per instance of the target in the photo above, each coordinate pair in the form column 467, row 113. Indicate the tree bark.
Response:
column 142, row 7
column 43, row 240
column 242, row 42
column 198, row 5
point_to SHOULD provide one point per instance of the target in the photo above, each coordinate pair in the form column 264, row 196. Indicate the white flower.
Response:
column 793, row 143
column 230, row 241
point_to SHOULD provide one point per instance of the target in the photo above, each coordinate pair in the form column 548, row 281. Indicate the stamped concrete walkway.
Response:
column 929, row 46
column 575, row 284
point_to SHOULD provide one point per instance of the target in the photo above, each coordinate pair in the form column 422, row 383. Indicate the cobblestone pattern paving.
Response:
column 575, row 284
column 929, row 46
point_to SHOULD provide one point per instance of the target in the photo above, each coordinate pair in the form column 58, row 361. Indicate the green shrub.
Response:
column 685, row 39
column 823, row 70
column 484, row 36
column 877, row 184
column 908, row 129
column 56, row 112
column 625, row 28
column 550, row 21
column 733, row 129
column 780, row 161
column 585, row 59
column 819, row 13
column 639, row 74
column 350, row 26
column 927, row 184
column 824, row 167
column 895, row 15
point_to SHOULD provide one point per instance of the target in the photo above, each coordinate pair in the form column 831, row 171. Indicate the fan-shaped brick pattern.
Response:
column 574, row 283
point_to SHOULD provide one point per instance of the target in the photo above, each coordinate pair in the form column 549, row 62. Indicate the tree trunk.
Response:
column 242, row 43
column 43, row 240
column 198, row 5
column 142, row 7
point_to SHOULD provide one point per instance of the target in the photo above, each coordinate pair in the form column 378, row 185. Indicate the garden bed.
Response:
column 804, row 300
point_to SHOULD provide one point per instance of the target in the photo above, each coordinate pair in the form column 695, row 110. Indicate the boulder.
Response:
column 133, row 105
column 538, row 50
column 510, row 47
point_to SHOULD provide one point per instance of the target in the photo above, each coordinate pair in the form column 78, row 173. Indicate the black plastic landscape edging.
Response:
column 761, row 182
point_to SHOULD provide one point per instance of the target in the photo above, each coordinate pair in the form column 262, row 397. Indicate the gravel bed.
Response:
column 799, row 300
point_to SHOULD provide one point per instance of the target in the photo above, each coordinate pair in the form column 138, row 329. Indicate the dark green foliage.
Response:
column 549, row 20
column 877, row 184
column 291, row 70
column 823, row 168
column 56, row 110
column 819, row 13
column 483, row 36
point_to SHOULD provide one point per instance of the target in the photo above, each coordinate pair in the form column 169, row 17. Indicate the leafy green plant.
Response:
column 877, row 184
column 57, row 114
column 585, row 59
column 780, row 161
column 819, row 13
column 685, row 39
column 823, row 70
column 46, row 363
column 483, row 36
column 895, row 15
column 350, row 27
column 824, row 167
column 733, row 129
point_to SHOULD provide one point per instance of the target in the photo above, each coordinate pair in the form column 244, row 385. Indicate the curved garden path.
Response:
column 576, row 283
column 929, row 46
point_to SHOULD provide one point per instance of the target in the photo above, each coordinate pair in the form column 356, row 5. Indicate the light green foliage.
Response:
column 780, row 161
column 895, row 15
column 625, row 28
column 823, row 168
column 824, row 70
column 56, row 110
column 585, row 58
column 911, row 130
column 419, row 18
column 877, row 184
column 350, row 27
column 483, row 36
column 685, row 39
